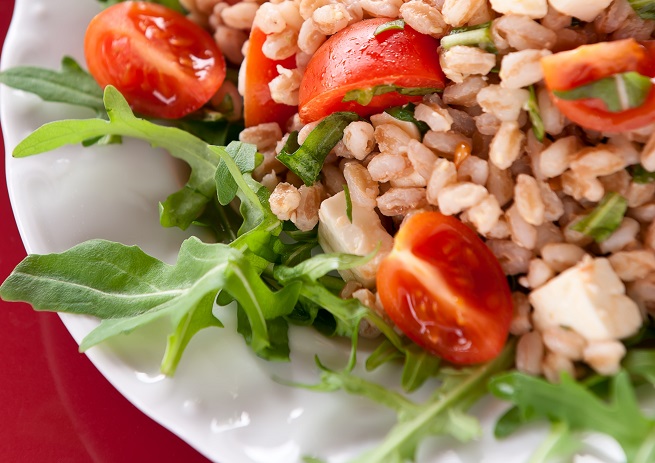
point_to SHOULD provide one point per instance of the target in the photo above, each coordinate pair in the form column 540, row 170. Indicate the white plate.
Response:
column 223, row 400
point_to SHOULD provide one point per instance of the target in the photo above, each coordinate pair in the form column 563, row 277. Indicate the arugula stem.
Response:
column 473, row 385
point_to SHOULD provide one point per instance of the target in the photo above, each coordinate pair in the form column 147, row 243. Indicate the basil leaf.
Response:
column 71, row 84
column 641, row 175
column 363, row 96
column 620, row 92
column 604, row 219
column 473, row 36
column 535, row 115
column 395, row 25
column 645, row 9
column 307, row 160
column 406, row 113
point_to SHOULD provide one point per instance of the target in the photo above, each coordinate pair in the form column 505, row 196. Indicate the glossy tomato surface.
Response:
column 165, row 65
column 355, row 58
column 445, row 290
column 258, row 105
column 588, row 63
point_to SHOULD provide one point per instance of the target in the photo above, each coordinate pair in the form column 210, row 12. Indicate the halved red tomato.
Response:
column 588, row 63
column 164, row 64
column 445, row 290
column 258, row 105
column 357, row 59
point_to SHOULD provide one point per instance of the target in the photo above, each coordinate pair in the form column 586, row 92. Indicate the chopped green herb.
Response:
column 364, row 96
column 535, row 115
column 604, row 219
column 641, row 175
column 395, row 25
column 645, row 9
column 306, row 161
column 473, row 36
column 406, row 113
column 620, row 92
column 349, row 203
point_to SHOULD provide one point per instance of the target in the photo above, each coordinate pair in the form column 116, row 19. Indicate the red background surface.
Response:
column 54, row 405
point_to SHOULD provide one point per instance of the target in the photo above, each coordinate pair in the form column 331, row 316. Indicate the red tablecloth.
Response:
column 54, row 405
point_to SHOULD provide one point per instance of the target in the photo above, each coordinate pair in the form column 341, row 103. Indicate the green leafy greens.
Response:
column 620, row 92
column 364, row 96
column 604, row 219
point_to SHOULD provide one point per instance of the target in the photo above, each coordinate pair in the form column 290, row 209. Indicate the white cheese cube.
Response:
column 590, row 299
column 337, row 234
column 535, row 9
column 586, row 10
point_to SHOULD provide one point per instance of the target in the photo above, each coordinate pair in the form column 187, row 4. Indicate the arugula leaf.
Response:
column 277, row 350
column 641, row 363
column 619, row 92
column 645, row 9
column 71, row 84
column 312, row 269
column 443, row 413
column 198, row 318
column 395, row 25
column 559, row 443
column 179, row 209
column 307, row 160
column 419, row 366
column 604, row 219
column 473, row 36
column 363, row 96
column 535, row 115
column 244, row 156
column 571, row 403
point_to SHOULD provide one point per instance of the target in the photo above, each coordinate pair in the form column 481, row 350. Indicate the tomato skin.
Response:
column 445, row 290
column 165, row 65
column 588, row 63
column 258, row 105
column 354, row 58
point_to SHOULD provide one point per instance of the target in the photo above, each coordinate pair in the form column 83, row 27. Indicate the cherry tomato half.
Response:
column 445, row 290
column 588, row 63
column 164, row 64
column 354, row 59
column 258, row 105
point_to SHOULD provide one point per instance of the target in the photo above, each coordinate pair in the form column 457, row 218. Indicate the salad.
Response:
column 477, row 174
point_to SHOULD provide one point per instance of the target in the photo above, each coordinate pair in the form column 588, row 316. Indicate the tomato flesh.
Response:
column 445, row 290
column 164, row 64
column 355, row 59
column 258, row 105
column 588, row 63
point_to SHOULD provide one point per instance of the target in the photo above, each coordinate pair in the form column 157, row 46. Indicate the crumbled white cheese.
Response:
column 535, row 9
column 586, row 11
column 590, row 299
column 337, row 234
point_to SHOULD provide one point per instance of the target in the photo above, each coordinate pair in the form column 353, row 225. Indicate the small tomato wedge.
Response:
column 258, row 105
column 586, row 64
column 355, row 59
column 445, row 290
column 165, row 65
